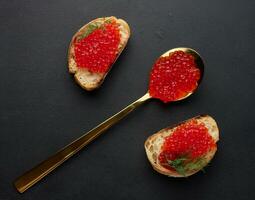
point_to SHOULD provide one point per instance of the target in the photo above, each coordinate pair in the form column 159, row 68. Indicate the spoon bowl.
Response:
column 199, row 63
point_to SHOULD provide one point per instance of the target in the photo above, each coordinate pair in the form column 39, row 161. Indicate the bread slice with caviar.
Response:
column 94, row 49
column 183, row 149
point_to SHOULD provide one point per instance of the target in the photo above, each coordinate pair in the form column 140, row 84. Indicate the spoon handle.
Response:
column 31, row 177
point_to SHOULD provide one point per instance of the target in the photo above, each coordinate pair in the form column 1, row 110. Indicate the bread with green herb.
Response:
column 87, row 79
column 180, row 167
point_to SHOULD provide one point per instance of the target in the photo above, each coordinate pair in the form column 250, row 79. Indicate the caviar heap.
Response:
column 174, row 76
column 98, row 48
column 185, row 148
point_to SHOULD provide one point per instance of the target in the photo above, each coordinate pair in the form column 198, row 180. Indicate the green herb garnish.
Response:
column 92, row 27
column 178, row 165
column 183, row 165
column 108, row 21
column 196, row 165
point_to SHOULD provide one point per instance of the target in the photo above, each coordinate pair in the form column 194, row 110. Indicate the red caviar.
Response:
column 173, row 76
column 190, row 140
column 99, row 49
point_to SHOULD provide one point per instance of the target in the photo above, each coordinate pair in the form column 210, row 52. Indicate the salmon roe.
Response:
column 173, row 76
column 99, row 49
column 190, row 140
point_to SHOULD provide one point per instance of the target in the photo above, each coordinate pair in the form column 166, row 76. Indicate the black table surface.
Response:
column 42, row 109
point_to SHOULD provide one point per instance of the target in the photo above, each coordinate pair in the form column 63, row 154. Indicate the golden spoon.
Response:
column 41, row 170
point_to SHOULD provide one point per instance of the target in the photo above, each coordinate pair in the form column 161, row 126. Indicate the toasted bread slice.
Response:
column 90, row 80
column 154, row 143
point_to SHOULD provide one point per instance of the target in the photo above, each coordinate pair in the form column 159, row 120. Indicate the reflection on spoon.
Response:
column 175, row 76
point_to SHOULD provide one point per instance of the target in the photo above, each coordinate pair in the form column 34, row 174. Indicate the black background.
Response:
column 42, row 109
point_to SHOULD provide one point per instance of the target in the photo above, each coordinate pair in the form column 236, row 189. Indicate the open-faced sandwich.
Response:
column 184, row 149
column 94, row 49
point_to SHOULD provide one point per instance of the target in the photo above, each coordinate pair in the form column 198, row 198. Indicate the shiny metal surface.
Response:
column 41, row 170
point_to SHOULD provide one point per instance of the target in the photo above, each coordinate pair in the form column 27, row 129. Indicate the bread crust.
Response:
column 154, row 142
column 90, row 80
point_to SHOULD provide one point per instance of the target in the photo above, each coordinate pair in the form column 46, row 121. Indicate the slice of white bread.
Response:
column 154, row 143
column 90, row 80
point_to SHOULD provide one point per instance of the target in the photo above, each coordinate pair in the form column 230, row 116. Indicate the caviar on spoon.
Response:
column 174, row 76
